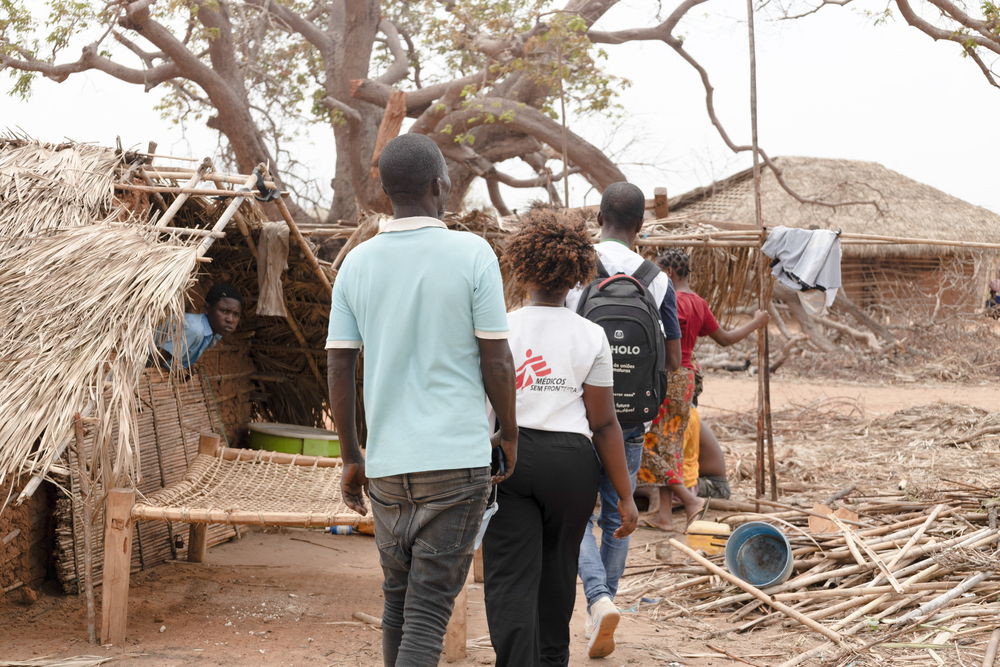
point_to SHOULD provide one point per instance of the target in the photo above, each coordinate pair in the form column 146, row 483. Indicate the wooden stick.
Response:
column 172, row 157
column 87, row 500
column 178, row 201
column 991, row 649
column 942, row 600
column 160, row 201
column 230, row 211
column 191, row 231
column 234, row 454
column 858, row 591
column 13, row 587
column 245, row 517
column 916, row 536
column 904, row 240
column 871, row 554
column 185, row 191
column 774, row 503
column 306, row 250
column 732, row 656
column 217, row 176
column 368, row 618
column 757, row 593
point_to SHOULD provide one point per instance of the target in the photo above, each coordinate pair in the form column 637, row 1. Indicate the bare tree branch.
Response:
column 987, row 72
column 527, row 120
column 417, row 101
column 148, row 58
column 663, row 32
column 400, row 66
column 89, row 59
column 493, row 188
column 302, row 25
column 350, row 113
column 937, row 33
column 815, row 9
column 537, row 182
column 955, row 13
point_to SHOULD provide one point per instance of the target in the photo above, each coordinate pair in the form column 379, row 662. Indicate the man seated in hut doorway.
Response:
column 435, row 340
column 203, row 330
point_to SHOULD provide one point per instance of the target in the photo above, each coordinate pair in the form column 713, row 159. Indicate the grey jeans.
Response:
column 425, row 524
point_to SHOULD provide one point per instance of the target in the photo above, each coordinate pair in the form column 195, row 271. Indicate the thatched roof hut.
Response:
column 86, row 278
column 889, row 204
column 899, row 206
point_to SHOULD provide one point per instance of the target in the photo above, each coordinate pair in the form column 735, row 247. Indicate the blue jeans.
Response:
column 425, row 524
column 600, row 570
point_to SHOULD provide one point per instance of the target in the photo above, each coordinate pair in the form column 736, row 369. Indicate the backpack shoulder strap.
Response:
column 646, row 273
column 601, row 271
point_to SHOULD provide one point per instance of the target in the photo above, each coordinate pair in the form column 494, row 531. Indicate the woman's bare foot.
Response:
column 694, row 508
column 657, row 521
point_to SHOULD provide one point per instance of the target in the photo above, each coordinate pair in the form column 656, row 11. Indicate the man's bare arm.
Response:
column 341, row 364
column 497, row 366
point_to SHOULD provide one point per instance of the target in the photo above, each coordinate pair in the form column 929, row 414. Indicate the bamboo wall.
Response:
column 175, row 412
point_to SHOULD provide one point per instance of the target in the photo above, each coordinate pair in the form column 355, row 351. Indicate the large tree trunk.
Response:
column 354, row 24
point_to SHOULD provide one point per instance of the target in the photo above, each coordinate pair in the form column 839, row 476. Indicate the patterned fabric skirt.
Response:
column 663, row 444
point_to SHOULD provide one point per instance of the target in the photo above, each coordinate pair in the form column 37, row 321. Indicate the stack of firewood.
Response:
column 905, row 573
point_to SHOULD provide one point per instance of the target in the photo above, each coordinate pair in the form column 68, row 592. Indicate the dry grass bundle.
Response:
column 43, row 186
column 97, row 295
column 722, row 275
column 939, row 424
column 76, row 661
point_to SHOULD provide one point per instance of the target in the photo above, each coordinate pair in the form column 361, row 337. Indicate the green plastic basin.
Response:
column 294, row 439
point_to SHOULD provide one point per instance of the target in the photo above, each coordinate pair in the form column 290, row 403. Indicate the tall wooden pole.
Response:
column 764, row 436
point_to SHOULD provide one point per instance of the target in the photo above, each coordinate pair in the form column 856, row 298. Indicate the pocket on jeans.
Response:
column 451, row 523
column 386, row 517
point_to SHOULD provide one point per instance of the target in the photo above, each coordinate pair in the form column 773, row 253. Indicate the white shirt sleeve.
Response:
column 602, row 372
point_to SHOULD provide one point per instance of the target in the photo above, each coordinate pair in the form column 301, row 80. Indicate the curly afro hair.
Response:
column 677, row 260
column 551, row 254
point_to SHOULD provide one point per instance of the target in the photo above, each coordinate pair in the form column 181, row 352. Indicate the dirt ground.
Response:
column 287, row 597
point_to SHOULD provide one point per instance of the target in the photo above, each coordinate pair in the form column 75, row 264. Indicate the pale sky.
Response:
column 831, row 85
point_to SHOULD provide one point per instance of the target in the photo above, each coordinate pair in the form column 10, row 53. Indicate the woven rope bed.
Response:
column 236, row 486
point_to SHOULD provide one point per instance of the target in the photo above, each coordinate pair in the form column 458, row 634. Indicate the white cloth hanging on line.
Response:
column 805, row 259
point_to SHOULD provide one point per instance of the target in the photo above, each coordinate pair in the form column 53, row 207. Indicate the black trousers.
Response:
column 532, row 546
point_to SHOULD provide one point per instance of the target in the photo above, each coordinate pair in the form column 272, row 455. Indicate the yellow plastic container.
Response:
column 708, row 536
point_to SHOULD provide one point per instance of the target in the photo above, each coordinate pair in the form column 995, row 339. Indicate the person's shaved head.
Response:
column 408, row 165
column 622, row 207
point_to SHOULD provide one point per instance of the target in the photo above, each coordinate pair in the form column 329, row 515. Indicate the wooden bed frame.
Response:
column 122, row 511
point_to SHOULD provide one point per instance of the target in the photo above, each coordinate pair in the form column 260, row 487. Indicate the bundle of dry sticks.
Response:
column 907, row 575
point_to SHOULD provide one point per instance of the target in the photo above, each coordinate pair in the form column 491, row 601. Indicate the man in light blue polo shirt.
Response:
column 427, row 305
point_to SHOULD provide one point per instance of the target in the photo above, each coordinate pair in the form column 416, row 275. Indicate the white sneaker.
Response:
column 604, row 617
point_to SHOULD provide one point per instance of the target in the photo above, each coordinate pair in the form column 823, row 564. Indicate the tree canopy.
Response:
column 488, row 80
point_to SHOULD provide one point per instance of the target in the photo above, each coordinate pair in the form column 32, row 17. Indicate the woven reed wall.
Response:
column 174, row 414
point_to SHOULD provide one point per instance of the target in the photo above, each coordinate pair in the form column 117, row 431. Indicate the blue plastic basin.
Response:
column 759, row 554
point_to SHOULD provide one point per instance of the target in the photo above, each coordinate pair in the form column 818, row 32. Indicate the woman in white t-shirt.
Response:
column 566, row 419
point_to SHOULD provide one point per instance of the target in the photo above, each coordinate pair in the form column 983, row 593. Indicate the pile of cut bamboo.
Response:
column 891, row 574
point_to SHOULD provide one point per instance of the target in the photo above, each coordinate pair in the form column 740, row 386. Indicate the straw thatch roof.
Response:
column 85, row 281
column 906, row 208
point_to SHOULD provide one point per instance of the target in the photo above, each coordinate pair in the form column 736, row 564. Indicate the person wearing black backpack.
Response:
column 635, row 304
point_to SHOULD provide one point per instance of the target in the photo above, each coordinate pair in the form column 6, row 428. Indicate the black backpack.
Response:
column 624, row 307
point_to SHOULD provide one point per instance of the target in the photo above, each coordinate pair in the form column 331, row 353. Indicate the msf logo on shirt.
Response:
column 534, row 367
